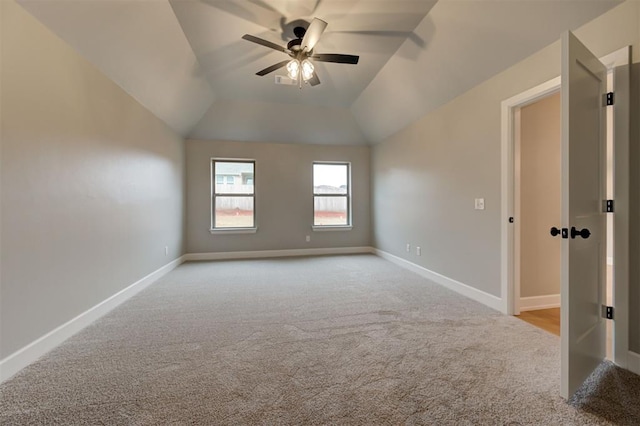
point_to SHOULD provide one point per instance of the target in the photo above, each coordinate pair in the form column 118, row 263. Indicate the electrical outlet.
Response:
column 408, row 248
column 479, row 203
column 166, row 250
column 418, row 251
column 308, row 238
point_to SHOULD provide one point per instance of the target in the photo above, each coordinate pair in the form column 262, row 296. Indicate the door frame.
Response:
column 512, row 107
column 617, row 63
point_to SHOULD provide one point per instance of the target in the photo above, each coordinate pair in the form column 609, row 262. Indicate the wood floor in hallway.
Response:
column 549, row 319
column 546, row 319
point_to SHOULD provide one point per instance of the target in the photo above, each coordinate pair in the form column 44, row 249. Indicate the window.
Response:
column 233, row 204
column 331, row 195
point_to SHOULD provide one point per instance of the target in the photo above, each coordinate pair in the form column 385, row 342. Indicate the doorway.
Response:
column 617, row 189
column 537, row 197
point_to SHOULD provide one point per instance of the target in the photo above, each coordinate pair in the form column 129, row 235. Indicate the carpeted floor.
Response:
column 325, row 340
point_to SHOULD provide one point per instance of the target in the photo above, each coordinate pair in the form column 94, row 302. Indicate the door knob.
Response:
column 584, row 233
column 554, row 232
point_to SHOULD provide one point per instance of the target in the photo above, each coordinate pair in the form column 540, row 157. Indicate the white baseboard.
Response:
column 34, row 350
column 539, row 302
column 490, row 300
column 276, row 253
column 634, row 362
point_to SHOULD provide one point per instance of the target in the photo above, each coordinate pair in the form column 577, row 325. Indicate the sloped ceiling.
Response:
column 468, row 42
column 140, row 46
column 185, row 61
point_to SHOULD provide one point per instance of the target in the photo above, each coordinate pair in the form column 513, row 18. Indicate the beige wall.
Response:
column 634, row 225
column 634, row 214
column 539, row 197
column 426, row 176
column 92, row 184
column 284, row 200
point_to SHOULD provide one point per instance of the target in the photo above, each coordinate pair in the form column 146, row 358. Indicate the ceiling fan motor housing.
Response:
column 294, row 45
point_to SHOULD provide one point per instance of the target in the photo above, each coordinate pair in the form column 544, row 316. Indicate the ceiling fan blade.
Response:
column 336, row 57
column 419, row 41
column 257, row 12
column 301, row 7
column 312, row 36
column 272, row 68
column 265, row 43
column 265, row 5
column 314, row 81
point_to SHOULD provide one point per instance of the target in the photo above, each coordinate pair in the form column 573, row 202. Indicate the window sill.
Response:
column 229, row 231
column 331, row 228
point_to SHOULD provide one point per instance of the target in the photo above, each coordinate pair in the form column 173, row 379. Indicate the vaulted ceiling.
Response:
column 185, row 60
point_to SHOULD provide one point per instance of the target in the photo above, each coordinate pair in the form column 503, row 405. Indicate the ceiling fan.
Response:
column 300, row 68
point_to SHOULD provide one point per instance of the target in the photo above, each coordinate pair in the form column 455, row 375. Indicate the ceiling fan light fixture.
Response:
column 293, row 69
column 307, row 70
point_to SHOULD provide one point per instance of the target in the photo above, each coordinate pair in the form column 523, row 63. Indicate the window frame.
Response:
column 349, row 225
column 231, row 230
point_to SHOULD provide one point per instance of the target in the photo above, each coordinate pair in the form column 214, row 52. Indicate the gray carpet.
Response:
column 325, row 340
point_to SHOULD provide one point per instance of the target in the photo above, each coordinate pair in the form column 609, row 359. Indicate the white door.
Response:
column 583, row 331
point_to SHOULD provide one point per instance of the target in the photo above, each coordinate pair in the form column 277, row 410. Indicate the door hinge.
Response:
column 609, row 206
column 607, row 312
column 610, row 98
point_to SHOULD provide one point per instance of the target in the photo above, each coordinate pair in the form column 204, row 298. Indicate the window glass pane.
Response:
column 237, row 175
column 234, row 212
column 330, row 178
column 330, row 211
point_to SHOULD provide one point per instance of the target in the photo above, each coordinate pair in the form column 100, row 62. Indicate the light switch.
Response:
column 479, row 203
